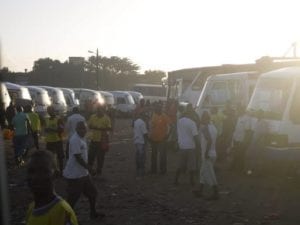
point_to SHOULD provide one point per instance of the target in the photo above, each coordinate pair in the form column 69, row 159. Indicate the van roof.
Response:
column 106, row 93
column 233, row 75
column 10, row 85
column 36, row 88
column 289, row 72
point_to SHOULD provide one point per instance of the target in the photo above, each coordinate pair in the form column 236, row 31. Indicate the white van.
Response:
column 277, row 93
column 17, row 91
column 88, row 99
column 57, row 99
column 109, row 98
column 137, row 96
column 4, row 95
column 40, row 99
column 70, row 98
column 125, row 104
column 152, row 92
column 219, row 89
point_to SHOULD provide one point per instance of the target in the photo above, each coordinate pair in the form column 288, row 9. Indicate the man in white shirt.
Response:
column 188, row 141
column 241, row 140
column 77, row 171
column 140, row 141
column 71, row 126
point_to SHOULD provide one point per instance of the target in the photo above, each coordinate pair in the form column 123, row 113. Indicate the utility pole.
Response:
column 97, row 67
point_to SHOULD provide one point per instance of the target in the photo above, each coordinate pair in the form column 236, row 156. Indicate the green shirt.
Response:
column 34, row 121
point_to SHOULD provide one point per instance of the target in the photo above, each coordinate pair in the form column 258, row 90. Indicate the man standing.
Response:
column 188, row 141
column 54, row 143
column 159, row 130
column 35, row 125
column 77, row 171
column 21, row 125
column 140, row 141
column 71, row 126
column 100, row 125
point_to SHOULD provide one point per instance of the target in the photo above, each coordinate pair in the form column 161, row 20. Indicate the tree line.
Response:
column 112, row 73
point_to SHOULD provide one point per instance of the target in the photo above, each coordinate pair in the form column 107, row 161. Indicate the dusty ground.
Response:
column 270, row 199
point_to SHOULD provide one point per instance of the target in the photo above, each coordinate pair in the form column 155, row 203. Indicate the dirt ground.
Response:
column 269, row 199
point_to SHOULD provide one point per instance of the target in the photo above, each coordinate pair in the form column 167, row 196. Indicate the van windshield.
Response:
column 271, row 96
column 222, row 91
column 43, row 98
column 58, row 97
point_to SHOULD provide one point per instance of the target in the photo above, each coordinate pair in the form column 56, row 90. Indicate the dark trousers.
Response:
column 36, row 139
column 159, row 148
column 140, row 158
column 57, row 148
column 19, row 147
column 238, row 153
column 83, row 185
column 95, row 151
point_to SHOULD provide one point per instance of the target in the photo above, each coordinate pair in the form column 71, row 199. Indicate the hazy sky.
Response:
column 155, row 34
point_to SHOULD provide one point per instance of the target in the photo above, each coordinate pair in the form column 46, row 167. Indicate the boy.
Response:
column 47, row 207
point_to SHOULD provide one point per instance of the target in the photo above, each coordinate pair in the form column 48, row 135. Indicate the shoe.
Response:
column 97, row 215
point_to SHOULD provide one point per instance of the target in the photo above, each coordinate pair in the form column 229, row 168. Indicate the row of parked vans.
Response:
column 64, row 99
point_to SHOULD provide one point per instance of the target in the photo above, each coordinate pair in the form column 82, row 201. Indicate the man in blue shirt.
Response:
column 21, row 125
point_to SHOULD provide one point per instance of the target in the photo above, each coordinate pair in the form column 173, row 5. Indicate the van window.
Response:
column 121, row 100
column 218, row 94
column 295, row 106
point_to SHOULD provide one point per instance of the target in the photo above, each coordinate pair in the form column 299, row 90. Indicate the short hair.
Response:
column 75, row 109
column 43, row 155
column 80, row 124
column 19, row 108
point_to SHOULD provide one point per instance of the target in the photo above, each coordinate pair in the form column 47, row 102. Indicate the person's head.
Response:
column 81, row 129
column 100, row 110
column 28, row 108
column 19, row 108
column 40, row 173
column 75, row 110
column 142, row 102
column 205, row 118
column 51, row 111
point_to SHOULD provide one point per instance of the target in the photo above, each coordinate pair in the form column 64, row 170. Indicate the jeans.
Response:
column 19, row 145
column 159, row 148
column 140, row 158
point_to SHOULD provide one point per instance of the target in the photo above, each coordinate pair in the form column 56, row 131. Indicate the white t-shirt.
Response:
column 73, row 169
column 139, row 130
column 72, row 123
column 210, row 130
column 243, row 124
column 186, row 131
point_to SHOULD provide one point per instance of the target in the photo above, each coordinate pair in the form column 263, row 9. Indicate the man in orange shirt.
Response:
column 159, row 130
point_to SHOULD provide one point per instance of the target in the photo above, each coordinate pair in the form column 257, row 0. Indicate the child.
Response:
column 47, row 207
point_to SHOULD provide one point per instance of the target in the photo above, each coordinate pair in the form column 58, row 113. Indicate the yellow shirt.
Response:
column 34, row 121
column 52, row 136
column 98, row 122
column 57, row 212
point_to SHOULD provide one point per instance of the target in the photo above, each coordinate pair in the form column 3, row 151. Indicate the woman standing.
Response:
column 208, row 134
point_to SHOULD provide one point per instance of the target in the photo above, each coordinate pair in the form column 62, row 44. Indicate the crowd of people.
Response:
column 198, row 141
